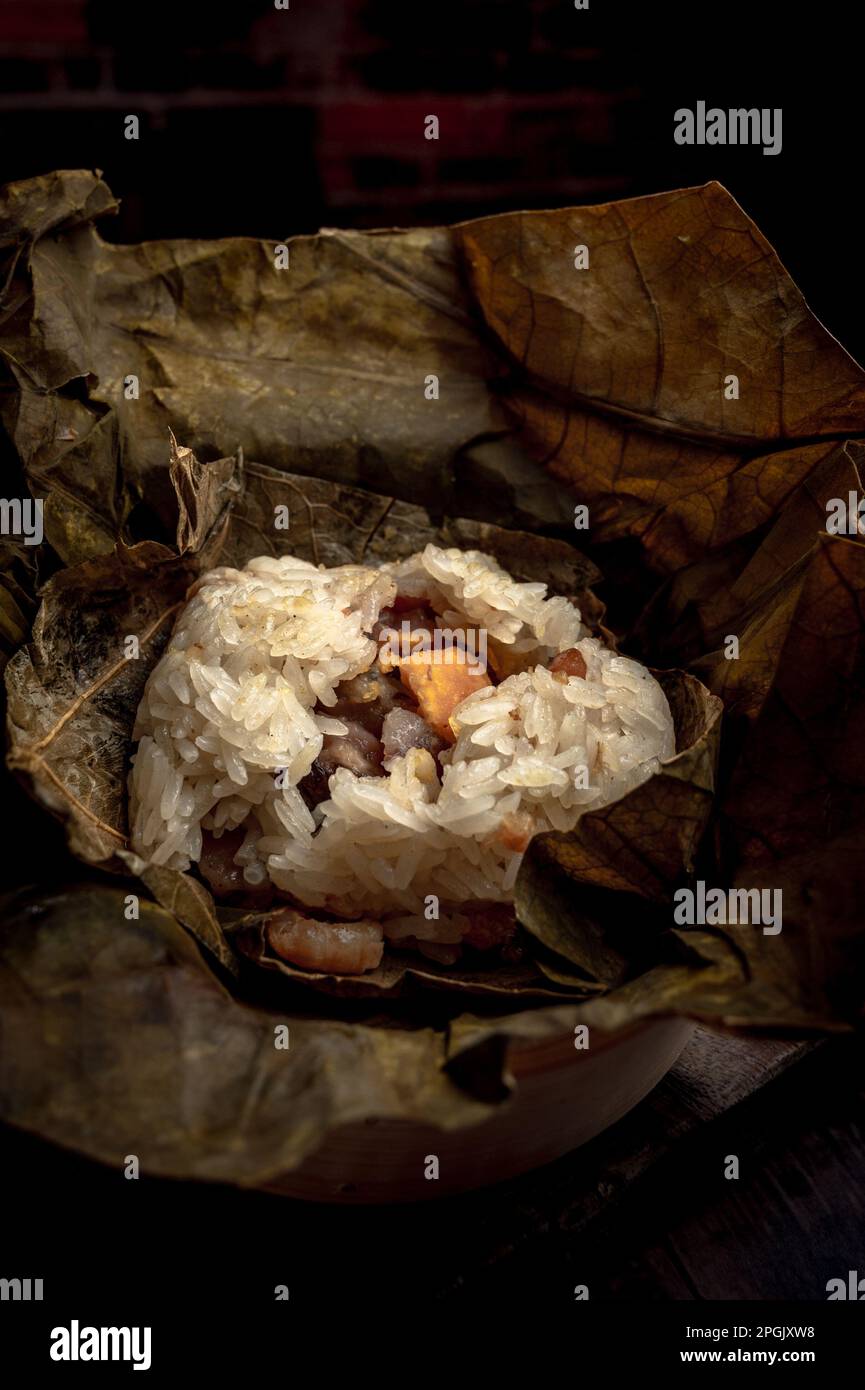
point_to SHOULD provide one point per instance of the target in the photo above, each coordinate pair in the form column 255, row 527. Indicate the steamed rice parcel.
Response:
column 370, row 750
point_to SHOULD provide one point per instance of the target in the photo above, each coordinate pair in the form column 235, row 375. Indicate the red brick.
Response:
column 43, row 21
column 398, row 124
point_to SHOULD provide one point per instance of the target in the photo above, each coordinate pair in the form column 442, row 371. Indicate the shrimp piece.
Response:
column 338, row 948
column 566, row 664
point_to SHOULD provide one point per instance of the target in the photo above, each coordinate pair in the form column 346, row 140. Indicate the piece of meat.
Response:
column 406, row 606
column 567, row 664
column 493, row 925
column 338, row 948
column 217, row 861
column 439, row 681
column 409, row 603
column 225, row 877
column 368, row 698
column 358, row 750
column 403, row 729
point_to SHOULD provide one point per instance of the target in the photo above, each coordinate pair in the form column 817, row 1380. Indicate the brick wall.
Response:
column 269, row 121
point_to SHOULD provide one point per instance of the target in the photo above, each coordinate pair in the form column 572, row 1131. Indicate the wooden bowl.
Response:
column 563, row 1098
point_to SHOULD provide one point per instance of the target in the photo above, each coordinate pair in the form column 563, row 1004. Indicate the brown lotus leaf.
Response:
column 470, row 387
column 799, row 780
column 718, row 596
column 319, row 369
column 73, row 690
column 187, row 900
column 625, row 364
column 17, row 589
column 205, row 494
column 188, row 1079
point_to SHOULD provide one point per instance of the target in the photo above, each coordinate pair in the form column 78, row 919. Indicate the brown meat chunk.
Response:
column 217, row 862
column 225, row 878
column 358, row 750
column 567, row 664
column 492, row 925
column 419, row 616
column 368, row 698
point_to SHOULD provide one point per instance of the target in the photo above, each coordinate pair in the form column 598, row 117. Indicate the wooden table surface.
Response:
column 645, row 1212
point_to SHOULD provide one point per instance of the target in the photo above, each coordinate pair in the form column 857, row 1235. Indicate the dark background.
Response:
column 267, row 123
